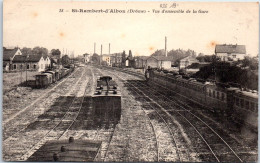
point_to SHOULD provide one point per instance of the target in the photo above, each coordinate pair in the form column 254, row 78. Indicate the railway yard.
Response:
column 156, row 124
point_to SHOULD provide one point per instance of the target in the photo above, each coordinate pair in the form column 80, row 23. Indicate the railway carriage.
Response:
column 245, row 107
column 230, row 102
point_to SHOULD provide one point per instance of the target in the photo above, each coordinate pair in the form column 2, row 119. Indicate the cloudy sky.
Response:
column 39, row 23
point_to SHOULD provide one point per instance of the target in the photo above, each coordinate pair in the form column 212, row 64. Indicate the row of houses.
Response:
column 14, row 60
column 223, row 52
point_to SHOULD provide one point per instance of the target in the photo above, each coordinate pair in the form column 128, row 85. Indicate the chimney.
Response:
column 94, row 48
column 109, row 49
column 101, row 55
column 165, row 46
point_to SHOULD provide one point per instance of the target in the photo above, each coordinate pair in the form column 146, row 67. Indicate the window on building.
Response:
column 34, row 66
column 28, row 66
column 222, row 96
column 247, row 104
column 209, row 93
column 252, row 106
column 242, row 104
column 14, row 67
column 237, row 101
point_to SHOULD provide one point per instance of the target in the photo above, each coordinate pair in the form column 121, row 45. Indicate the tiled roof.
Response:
column 9, row 53
column 189, row 58
column 34, row 58
column 240, row 49
column 19, row 58
column 160, row 58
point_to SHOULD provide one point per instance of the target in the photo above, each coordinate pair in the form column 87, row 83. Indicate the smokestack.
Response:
column 101, row 55
column 109, row 49
column 165, row 46
column 94, row 48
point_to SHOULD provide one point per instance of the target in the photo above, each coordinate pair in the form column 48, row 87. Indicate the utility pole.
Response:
column 165, row 46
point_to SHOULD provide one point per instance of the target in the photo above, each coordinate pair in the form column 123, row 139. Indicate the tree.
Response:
column 40, row 50
column 123, row 59
column 55, row 53
column 95, row 58
column 65, row 60
column 26, row 51
column 130, row 56
column 205, row 58
column 159, row 53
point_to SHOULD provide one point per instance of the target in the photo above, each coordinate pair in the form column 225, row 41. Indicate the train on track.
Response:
column 44, row 79
column 107, row 100
column 240, row 105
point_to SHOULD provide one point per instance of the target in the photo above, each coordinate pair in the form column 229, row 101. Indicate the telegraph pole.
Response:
column 165, row 46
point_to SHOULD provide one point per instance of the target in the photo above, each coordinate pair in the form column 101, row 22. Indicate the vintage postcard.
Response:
column 130, row 81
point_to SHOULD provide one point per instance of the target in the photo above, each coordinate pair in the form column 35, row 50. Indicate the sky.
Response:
column 30, row 23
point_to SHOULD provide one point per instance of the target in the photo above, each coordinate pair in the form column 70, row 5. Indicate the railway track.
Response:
column 36, row 100
column 63, row 126
column 244, row 150
column 155, row 115
column 220, row 149
column 105, row 145
column 7, row 135
column 204, row 111
column 61, row 122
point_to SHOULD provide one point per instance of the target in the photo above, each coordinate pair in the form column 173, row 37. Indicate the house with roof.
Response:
column 86, row 58
column 106, row 58
column 161, row 62
column 187, row 61
column 116, row 59
column 33, row 62
column 230, row 52
column 140, row 61
column 8, row 56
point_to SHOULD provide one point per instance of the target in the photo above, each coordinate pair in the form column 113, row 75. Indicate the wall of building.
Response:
column 152, row 62
column 166, row 64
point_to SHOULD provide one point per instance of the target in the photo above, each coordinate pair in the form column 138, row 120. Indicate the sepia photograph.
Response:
column 130, row 81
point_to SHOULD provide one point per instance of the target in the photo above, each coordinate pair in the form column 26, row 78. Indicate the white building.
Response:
column 185, row 62
column 161, row 62
column 230, row 52
column 86, row 58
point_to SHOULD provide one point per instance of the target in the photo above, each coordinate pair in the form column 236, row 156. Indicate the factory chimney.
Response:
column 109, row 49
column 165, row 46
column 94, row 48
column 101, row 55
